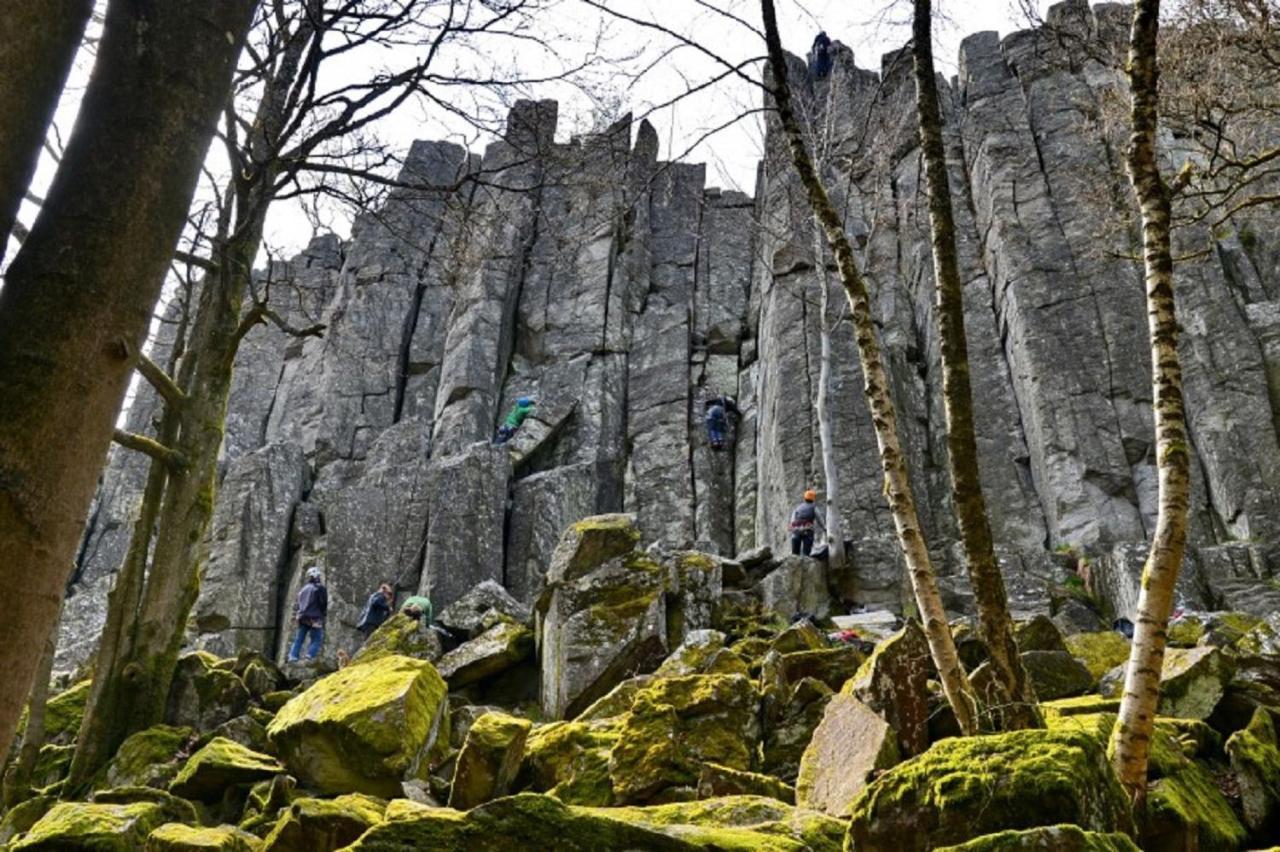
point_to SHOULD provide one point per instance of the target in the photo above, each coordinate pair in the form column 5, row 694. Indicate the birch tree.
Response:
column 897, row 486
column 1131, row 739
column 1015, row 698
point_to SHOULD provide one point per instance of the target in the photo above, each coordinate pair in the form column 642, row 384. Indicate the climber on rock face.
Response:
column 803, row 520
column 719, row 408
column 313, row 606
column 523, row 407
column 376, row 610
column 820, row 57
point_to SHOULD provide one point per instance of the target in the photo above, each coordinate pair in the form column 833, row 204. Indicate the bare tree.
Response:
column 955, row 682
column 1015, row 697
column 78, row 297
column 1136, row 722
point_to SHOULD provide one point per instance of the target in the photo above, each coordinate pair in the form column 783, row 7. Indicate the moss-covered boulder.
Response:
column 702, row 652
column 1080, row 705
column 716, row 781
column 526, row 821
column 99, row 827
column 222, row 763
column 177, row 837
column 489, row 760
column 247, row 731
column 150, row 758
column 1038, row 634
column 1053, row 838
column 174, row 808
column 603, row 614
column 1185, row 632
column 570, row 760
column 745, row 823
column 789, row 725
column 1185, row 807
column 22, row 816
column 366, row 727
column 400, row 636
column 964, row 788
column 801, row 636
column 1056, row 674
column 1193, row 680
column 676, row 725
column 894, row 682
column 832, row 666
column 1255, row 758
column 1100, row 652
column 323, row 825
column 52, row 764
column 205, row 692
column 851, row 744
column 63, row 713
column 493, row 651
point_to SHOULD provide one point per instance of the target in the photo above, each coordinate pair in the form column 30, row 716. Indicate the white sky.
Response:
column 869, row 28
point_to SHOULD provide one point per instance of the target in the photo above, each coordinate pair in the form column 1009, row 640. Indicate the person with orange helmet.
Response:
column 803, row 521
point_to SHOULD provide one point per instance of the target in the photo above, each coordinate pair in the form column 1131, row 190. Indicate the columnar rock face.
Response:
column 620, row 292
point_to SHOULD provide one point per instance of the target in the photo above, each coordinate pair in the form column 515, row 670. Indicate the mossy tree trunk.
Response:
column 1015, row 701
column 79, row 295
column 1131, row 739
column 36, row 53
column 897, row 486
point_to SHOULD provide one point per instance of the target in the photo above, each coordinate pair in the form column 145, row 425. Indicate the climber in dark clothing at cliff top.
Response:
column 820, row 57
column 523, row 407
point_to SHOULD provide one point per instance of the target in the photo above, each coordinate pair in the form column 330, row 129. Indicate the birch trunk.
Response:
column 893, row 463
column 1131, row 739
column 834, row 530
column 1015, row 700
column 79, row 295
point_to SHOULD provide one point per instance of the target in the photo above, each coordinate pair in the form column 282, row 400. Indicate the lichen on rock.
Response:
column 100, row 827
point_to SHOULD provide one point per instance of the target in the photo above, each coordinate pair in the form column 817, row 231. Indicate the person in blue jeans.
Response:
column 313, row 605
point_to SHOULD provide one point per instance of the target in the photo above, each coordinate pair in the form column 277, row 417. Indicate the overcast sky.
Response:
column 871, row 28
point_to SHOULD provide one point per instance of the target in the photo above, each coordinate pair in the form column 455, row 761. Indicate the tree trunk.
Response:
column 835, row 532
column 1015, row 704
column 78, row 297
column 897, row 486
column 1132, row 736
column 35, row 57
column 17, row 781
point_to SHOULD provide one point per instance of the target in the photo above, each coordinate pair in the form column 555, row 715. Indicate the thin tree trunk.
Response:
column 78, row 297
column 17, row 781
column 1016, row 702
column 834, row 531
column 897, row 486
column 36, row 53
column 1132, row 736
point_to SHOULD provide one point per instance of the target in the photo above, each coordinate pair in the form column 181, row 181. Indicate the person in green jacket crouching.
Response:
column 523, row 407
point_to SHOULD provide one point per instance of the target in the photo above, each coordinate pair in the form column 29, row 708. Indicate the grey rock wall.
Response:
column 621, row 292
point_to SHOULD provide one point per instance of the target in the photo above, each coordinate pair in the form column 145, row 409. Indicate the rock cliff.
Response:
column 621, row 292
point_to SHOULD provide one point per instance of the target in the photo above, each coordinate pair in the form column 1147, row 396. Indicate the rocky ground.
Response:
column 655, row 701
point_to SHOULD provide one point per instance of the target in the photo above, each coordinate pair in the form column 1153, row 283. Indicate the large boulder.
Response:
column 965, row 787
column 1185, row 807
column 570, row 760
column 1054, row 838
column 493, row 651
column 219, row 765
column 64, row 712
column 1038, row 634
column 894, row 682
column 469, row 614
column 178, row 837
column 489, row 760
column 100, row 827
column 738, row 822
column 1056, row 674
column 205, row 692
column 1193, row 680
column 1100, row 652
column 715, row 781
column 149, row 758
column 1255, row 758
column 320, row 825
column 366, row 727
column 678, row 724
column 848, row 748
column 798, row 584
column 791, row 714
column 702, row 652
column 402, row 636
column 603, row 614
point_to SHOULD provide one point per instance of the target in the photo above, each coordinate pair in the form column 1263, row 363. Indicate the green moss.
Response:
column 1100, row 652
column 716, row 780
column 398, row 635
column 489, row 759
column 1255, row 757
column 150, row 757
column 1185, row 632
column 174, row 808
column 100, row 827
column 1060, row 838
column 1184, row 802
column 176, row 837
column 63, row 713
column 23, row 815
column 52, row 764
column 220, row 764
column 313, row 824
column 1228, row 628
column 738, row 822
column 1193, row 680
column 570, row 760
column 1081, row 704
column 963, row 788
column 364, row 727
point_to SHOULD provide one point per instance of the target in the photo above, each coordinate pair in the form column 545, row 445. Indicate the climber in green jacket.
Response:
column 523, row 407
